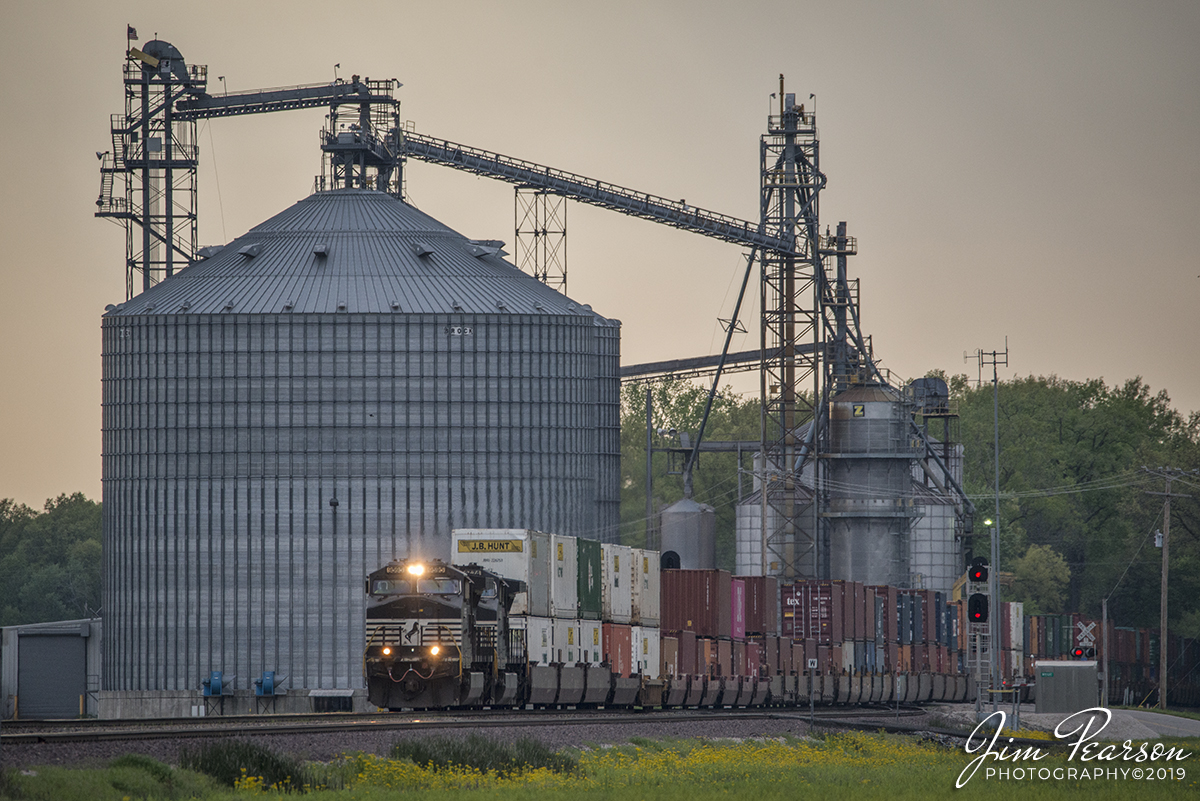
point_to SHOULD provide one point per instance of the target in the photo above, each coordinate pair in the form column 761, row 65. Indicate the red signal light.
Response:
column 1077, row 653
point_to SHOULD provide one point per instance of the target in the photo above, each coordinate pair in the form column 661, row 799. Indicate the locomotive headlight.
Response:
column 434, row 650
column 387, row 651
column 416, row 569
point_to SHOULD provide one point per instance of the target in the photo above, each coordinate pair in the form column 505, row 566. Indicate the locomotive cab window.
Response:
column 438, row 586
column 391, row 587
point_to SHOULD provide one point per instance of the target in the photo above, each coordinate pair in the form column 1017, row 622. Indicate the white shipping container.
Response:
column 513, row 553
column 539, row 637
column 568, row 639
column 645, row 573
column 1016, row 624
column 616, row 599
column 592, row 642
column 848, row 648
column 647, row 657
column 564, row 577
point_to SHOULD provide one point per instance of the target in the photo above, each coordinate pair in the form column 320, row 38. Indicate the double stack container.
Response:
column 513, row 553
column 646, row 586
column 616, row 580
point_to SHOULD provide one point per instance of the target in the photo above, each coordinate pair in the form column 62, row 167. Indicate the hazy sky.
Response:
column 1019, row 169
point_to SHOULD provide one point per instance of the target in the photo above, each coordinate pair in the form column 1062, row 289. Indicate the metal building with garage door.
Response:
column 50, row 670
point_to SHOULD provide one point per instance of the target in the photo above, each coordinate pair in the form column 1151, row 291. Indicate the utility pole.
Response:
column 1162, row 612
column 1168, row 474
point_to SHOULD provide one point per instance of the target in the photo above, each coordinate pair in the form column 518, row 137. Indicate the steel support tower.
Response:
column 540, row 228
column 148, row 179
column 793, row 335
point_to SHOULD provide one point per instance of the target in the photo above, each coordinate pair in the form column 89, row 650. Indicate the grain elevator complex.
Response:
column 351, row 380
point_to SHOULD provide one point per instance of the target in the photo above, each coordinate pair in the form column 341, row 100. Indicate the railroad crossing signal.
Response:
column 1086, row 634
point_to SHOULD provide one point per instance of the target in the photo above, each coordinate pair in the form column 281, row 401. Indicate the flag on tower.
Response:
column 132, row 32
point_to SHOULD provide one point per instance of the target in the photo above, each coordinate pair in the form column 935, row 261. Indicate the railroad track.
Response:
column 84, row 731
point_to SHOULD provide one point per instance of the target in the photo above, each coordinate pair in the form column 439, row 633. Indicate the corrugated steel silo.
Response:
column 352, row 351
column 870, row 486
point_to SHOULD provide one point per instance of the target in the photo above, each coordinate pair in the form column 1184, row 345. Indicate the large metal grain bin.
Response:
column 344, row 384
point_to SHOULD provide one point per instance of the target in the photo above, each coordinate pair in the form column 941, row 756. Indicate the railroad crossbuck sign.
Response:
column 1086, row 634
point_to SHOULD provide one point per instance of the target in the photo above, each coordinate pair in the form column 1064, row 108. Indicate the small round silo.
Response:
column 689, row 536
column 341, row 386
column 869, row 481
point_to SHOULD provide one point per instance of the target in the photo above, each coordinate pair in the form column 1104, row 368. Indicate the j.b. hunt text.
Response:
column 1083, row 729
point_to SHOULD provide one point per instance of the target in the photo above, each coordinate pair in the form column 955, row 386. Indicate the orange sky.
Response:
column 1024, row 169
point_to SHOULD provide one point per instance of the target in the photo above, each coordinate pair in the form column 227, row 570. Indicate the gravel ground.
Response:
column 1122, row 727
column 325, row 746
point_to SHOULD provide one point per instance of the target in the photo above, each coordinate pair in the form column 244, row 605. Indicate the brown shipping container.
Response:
column 739, row 658
column 835, row 658
column 696, row 600
column 791, row 618
column 762, row 604
column 824, row 608
column 849, row 625
column 618, row 648
column 869, row 628
column 753, row 659
column 688, row 664
column 785, row 656
column 890, row 620
column 823, row 658
column 771, row 654
column 724, row 657
column 668, row 649
column 893, row 657
column 706, row 656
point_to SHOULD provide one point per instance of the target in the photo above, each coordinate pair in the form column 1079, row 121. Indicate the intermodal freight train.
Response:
column 519, row 618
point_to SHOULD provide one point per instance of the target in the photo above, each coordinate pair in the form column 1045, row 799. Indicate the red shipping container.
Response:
column 823, row 658
column 762, row 604
column 737, row 599
column 618, row 648
column 753, row 659
column 698, row 601
column 835, row 658
column 771, row 654
column 688, row 664
column 893, row 657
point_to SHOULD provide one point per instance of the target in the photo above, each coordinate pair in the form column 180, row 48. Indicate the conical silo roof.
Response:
column 352, row 251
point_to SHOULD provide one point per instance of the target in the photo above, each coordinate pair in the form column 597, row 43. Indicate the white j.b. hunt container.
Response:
column 645, row 586
column 564, row 578
column 616, row 594
column 646, row 651
column 513, row 553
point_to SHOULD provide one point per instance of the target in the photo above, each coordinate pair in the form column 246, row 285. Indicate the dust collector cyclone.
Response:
column 342, row 385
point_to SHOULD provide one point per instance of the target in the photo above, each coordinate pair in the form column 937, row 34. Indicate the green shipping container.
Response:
column 589, row 579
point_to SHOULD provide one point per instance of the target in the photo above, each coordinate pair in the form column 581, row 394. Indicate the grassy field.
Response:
column 838, row 766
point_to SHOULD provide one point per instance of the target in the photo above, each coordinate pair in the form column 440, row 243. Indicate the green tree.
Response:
column 1072, row 480
column 1040, row 580
column 679, row 405
column 49, row 561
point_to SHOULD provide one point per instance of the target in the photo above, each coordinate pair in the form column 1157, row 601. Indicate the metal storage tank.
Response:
column 689, row 536
column 344, row 384
column 870, row 486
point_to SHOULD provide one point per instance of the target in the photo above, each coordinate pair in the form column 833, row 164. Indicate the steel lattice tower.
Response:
column 793, row 333
column 154, row 158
